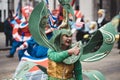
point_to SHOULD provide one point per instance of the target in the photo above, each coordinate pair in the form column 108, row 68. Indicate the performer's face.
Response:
column 99, row 14
column 66, row 40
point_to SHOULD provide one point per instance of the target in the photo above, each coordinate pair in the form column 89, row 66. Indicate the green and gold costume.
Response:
column 61, row 65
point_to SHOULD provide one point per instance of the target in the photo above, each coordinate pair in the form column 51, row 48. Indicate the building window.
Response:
column 4, row 14
column 0, row 15
column 10, row 4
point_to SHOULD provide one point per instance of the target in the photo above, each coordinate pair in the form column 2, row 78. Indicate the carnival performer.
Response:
column 60, row 45
column 57, row 70
column 33, row 48
column 64, row 57
column 20, row 34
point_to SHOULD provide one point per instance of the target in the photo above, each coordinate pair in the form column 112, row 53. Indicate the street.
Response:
column 109, row 66
column 7, row 65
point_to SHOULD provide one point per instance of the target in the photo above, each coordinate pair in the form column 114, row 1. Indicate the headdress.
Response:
column 26, row 11
column 38, row 19
column 106, row 35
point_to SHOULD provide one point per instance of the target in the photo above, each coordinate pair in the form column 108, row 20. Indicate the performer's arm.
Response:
column 26, row 44
column 60, row 56
column 57, row 56
column 23, row 46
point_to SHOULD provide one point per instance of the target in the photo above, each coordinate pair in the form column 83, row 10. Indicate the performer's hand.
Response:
column 17, row 49
column 75, row 50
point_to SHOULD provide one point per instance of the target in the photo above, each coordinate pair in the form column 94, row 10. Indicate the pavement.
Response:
column 2, row 42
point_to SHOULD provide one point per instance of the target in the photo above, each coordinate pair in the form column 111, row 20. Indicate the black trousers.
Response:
column 8, row 40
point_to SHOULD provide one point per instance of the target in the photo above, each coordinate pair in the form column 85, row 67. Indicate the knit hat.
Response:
column 26, row 11
column 101, row 11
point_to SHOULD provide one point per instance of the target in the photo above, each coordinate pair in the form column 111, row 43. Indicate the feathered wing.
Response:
column 37, row 24
column 101, row 44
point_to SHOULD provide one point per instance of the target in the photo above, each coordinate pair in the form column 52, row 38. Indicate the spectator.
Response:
column 101, row 18
column 8, row 32
column 81, row 32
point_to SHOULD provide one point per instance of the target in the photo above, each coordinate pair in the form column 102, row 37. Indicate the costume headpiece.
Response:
column 104, row 37
column 37, row 23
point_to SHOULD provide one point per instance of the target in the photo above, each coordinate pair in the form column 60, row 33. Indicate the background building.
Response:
column 3, row 10
column 90, row 7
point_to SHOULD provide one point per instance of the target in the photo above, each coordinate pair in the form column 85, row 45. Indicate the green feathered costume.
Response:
column 105, row 36
column 55, row 54
column 57, row 69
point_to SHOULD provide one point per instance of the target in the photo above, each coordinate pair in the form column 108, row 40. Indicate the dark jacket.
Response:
column 7, row 28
